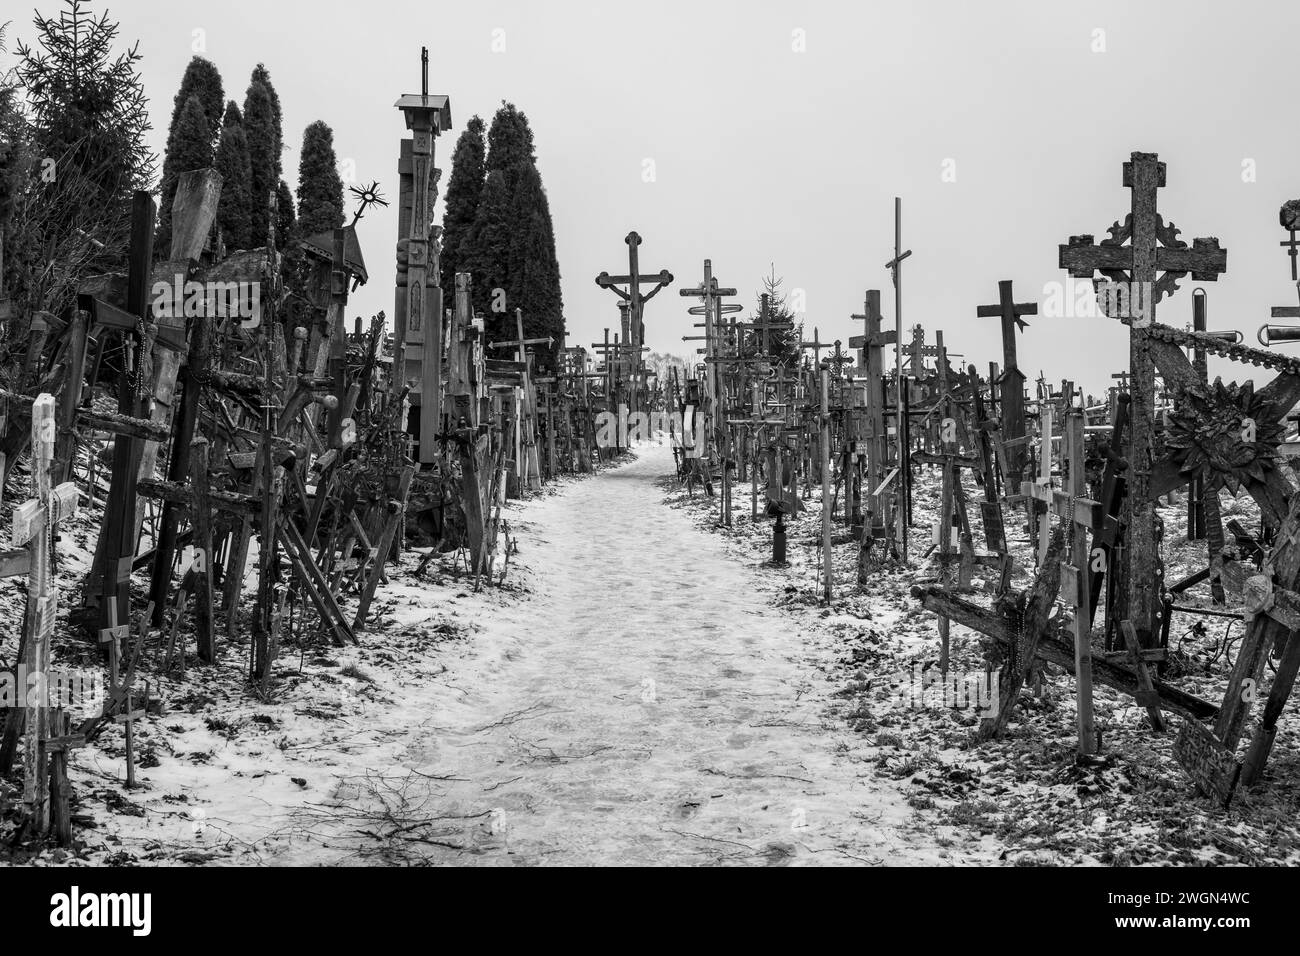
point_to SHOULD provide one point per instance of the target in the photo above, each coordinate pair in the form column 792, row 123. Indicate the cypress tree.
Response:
column 531, row 265
column 202, row 80
column 261, row 75
column 264, row 143
column 485, row 250
column 463, row 191
column 189, row 147
column 510, row 140
column 286, row 225
column 320, row 190
column 234, row 215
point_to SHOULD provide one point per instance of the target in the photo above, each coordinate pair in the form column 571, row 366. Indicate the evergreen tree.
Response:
column 234, row 215
column 77, row 150
column 534, row 279
column 202, row 80
column 261, row 127
column 485, row 251
column 320, row 190
column 510, row 141
column 511, row 242
column 463, row 191
column 263, row 76
column 286, row 225
column 189, row 147
column 782, row 344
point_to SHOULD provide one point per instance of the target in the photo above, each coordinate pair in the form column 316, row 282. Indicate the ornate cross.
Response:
column 1146, row 253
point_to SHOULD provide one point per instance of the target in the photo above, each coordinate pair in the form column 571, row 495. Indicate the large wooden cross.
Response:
column 1083, row 515
column 1012, row 384
column 711, row 294
column 33, row 525
column 1152, row 262
column 632, row 295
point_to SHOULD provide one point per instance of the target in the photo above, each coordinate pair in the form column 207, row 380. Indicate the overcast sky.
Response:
column 781, row 131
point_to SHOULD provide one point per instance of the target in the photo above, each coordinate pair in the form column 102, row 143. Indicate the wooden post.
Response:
column 115, row 557
column 826, row 484
column 1074, row 581
column 33, row 528
column 1044, row 478
column 201, row 521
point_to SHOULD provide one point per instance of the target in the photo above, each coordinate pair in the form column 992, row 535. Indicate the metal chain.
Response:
column 1207, row 343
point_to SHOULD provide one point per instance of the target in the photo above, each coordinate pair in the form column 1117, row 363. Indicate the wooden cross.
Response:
column 633, row 296
column 1152, row 264
column 1013, row 380
column 1041, row 490
column 711, row 295
column 816, row 345
column 1074, row 575
column 33, row 527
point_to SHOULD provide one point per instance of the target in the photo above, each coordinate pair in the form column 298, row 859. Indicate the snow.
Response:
column 628, row 698
column 644, row 688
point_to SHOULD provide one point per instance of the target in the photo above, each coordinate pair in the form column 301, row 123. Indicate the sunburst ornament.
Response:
column 368, row 196
column 1224, row 432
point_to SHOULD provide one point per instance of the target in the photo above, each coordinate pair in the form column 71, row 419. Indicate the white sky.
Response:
column 763, row 154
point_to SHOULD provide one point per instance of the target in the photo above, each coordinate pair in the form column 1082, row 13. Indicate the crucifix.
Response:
column 1012, row 383
column 632, row 296
column 1150, row 266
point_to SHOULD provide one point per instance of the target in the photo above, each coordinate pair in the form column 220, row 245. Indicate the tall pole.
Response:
column 904, row 472
column 826, row 483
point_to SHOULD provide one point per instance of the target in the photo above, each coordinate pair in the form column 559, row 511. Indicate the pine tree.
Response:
column 235, row 214
column 320, row 190
column 286, row 224
column 202, row 80
column 261, row 127
column 485, row 250
column 463, row 191
column 86, row 116
column 782, row 344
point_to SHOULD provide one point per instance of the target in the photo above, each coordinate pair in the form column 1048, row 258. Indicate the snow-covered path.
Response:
column 645, row 707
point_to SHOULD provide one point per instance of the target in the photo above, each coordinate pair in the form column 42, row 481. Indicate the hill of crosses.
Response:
column 330, row 534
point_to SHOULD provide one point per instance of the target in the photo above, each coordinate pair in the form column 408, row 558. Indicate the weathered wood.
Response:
column 1146, row 695
column 1038, row 605
column 1013, row 380
column 201, row 520
column 1153, row 249
column 396, row 510
column 183, row 495
column 1057, row 647
column 1207, row 761
column 194, row 211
